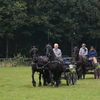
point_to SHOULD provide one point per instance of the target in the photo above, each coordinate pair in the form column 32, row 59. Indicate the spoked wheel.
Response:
column 74, row 78
column 98, row 72
column 68, row 79
column 95, row 73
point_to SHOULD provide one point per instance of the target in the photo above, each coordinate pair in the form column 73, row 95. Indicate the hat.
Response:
column 92, row 47
column 83, row 44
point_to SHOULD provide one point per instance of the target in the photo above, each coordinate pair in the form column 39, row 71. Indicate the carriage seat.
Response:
column 66, row 61
column 91, row 63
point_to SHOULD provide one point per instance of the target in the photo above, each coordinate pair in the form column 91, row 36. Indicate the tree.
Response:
column 13, row 15
column 25, row 23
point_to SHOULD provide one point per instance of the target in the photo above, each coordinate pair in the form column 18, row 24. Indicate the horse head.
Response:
column 34, row 53
column 75, row 51
column 48, row 50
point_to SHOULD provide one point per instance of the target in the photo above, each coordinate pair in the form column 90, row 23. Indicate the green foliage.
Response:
column 13, row 16
column 18, row 60
column 26, row 23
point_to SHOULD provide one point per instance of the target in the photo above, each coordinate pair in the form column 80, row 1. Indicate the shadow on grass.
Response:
column 47, row 86
column 89, row 78
column 26, row 86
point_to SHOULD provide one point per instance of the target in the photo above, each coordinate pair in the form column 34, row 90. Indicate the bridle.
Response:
column 34, row 55
column 75, row 52
column 48, row 51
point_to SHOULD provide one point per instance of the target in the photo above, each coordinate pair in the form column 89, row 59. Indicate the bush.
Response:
column 16, row 61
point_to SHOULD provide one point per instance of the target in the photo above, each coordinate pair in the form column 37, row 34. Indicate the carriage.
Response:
column 56, row 68
column 85, row 66
column 68, row 73
column 92, row 69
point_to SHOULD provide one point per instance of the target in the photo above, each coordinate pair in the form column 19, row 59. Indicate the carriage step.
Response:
column 90, row 68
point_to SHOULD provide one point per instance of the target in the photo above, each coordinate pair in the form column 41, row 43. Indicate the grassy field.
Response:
column 15, row 84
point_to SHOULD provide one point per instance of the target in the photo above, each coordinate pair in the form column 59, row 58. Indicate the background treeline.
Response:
column 24, row 23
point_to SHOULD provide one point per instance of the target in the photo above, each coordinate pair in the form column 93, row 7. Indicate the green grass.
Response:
column 15, row 84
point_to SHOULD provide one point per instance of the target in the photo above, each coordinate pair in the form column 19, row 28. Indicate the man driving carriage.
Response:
column 83, row 51
column 58, row 54
column 57, row 51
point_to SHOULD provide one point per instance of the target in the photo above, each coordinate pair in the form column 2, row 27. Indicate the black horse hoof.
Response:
column 56, row 86
column 39, row 85
column 34, row 85
column 44, row 84
column 83, row 77
column 52, row 86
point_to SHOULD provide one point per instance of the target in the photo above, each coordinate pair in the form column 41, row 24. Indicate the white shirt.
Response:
column 57, row 52
column 83, row 51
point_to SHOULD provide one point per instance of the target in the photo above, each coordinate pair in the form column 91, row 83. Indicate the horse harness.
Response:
column 85, row 60
column 44, row 66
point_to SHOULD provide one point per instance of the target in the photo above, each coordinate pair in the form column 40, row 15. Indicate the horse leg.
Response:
column 51, row 79
column 33, row 81
column 84, row 71
column 39, row 79
column 47, row 76
column 44, row 78
column 83, row 75
column 77, row 73
column 56, row 79
column 59, row 80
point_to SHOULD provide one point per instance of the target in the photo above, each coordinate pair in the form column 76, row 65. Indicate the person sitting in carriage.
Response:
column 83, row 51
column 58, row 54
column 57, row 51
column 92, row 56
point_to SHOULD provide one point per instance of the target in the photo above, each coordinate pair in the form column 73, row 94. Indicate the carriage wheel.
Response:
column 68, row 79
column 98, row 73
column 95, row 74
column 74, row 78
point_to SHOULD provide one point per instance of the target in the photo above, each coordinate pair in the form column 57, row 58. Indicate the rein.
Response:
column 85, row 60
column 51, row 62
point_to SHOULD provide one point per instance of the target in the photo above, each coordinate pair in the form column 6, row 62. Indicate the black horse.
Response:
column 80, row 62
column 55, row 66
column 37, row 63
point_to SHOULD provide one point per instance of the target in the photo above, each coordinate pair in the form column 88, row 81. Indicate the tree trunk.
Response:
column 16, row 47
column 89, row 43
column 71, row 47
column 96, row 43
column 71, row 38
column 15, row 44
column 7, row 48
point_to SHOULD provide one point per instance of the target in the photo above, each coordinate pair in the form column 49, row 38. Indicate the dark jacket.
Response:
column 92, row 53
